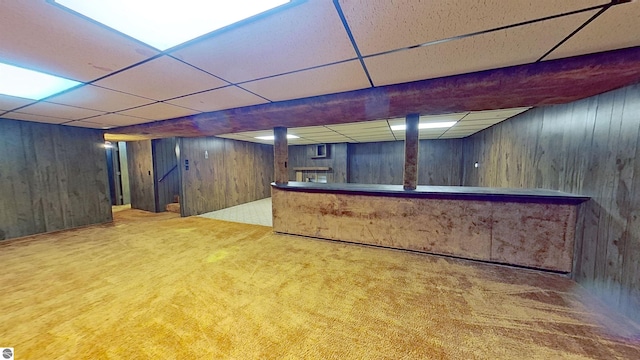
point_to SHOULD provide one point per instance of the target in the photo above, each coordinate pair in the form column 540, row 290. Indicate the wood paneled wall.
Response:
column 302, row 156
column 52, row 177
column 223, row 173
column 164, row 160
column 589, row 147
column 141, row 175
column 439, row 162
column 376, row 163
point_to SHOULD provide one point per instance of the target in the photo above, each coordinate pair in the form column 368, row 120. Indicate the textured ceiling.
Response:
column 303, row 63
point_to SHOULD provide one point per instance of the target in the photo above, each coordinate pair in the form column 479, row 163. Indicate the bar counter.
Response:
column 525, row 227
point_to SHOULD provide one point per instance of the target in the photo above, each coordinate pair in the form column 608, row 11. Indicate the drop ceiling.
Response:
column 222, row 83
column 467, row 123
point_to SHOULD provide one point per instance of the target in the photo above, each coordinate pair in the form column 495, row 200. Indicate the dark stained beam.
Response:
column 543, row 83
column 411, row 150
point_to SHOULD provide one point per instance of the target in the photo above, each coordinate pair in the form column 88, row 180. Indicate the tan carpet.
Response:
column 155, row 286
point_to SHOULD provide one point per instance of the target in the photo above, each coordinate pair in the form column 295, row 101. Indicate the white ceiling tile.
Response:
column 457, row 129
column 366, row 132
column 303, row 36
column 382, row 25
column 40, row 36
column 97, row 98
column 513, row 46
column 32, row 117
column 87, row 124
column 117, row 120
column 329, row 138
column 443, row 117
column 219, row 99
column 396, row 121
column 318, row 81
column 159, row 111
column 60, row 111
column 11, row 102
column 160, row 79
column 253, row 134
column 378, row 130
column 307, row 130
column 430, row 135
column 373, row 138
column 494, row 114
column 618, row 27
column 376, row 124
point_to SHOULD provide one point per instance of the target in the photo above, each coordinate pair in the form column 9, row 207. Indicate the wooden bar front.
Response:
column 533, row 228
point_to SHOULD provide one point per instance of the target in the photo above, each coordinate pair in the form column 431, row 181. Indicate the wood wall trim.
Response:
column 543, row 83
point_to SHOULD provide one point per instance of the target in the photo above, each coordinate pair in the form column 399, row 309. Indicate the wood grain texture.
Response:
column 51, row 178
column 141, row 175
column 440, row 162
column 234, row 173
column 164, row 160
column 302, row 156
column 542, row 83
column 589, row 147
column 280, row 155
column 411, row 151
column 536, row 235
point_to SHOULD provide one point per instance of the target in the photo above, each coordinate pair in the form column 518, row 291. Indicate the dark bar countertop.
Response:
column 439, row 192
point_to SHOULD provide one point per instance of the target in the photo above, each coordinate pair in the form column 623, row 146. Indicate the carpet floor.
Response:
column 156, row 286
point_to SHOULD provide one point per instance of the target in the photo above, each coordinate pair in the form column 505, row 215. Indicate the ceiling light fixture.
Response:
column 431, row 125
column 31, row 84
column 271, row 137
column 165, row 24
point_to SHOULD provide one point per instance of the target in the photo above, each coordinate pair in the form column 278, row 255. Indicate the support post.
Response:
column 411, row 146
column 280, row 155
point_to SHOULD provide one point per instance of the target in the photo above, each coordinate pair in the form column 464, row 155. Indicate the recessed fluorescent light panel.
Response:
column 30, row 84
column 431, row 125
column 271, row 137
column 165, row 24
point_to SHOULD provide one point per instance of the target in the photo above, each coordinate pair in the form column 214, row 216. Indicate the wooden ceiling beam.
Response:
column 543, row 83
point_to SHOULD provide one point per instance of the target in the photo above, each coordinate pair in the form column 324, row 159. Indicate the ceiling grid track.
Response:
column 328, row 62
column 353, row 40
column 574, row 32
column 505, row 27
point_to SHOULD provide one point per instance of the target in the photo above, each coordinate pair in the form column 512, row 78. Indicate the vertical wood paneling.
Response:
column 302, row 156
column 234, row 173
column 141, row 175
column 164, row 160
column 376, row 163
column 382, row 162
column 440, row 162
column 588, row 147
column 51, row 178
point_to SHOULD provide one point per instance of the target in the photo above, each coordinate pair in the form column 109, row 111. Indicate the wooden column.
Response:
column 280, row 155
column 411, row 145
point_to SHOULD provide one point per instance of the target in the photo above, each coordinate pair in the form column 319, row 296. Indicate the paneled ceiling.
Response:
column 467, row 123
column 303, row 52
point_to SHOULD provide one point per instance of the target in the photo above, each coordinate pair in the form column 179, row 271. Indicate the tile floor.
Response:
column 256, row 212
